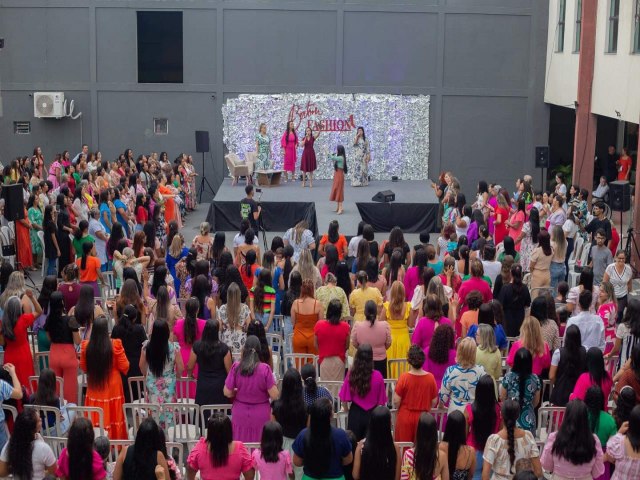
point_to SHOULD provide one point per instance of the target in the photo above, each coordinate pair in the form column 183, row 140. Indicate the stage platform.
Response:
column 414, row 210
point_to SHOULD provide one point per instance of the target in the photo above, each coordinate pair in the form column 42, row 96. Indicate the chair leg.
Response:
column 234, row 180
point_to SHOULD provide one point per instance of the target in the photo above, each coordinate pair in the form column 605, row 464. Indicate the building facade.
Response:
column 482, row 62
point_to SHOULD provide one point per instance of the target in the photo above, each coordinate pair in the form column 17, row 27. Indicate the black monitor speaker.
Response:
column 13, row 202
column 620, row 196
column 542, row 157
column 384, row 196
column 202, row 141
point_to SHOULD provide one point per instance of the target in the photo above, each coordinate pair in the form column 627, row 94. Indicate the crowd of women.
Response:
column 445, row 346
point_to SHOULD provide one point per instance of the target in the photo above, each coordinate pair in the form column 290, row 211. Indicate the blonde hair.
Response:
column 176, row 246
column 233, row 305
column 15, row 288
column 305, row 265
column 559, row 241
column 436, row 287
column 607, row 288
column 531, row 336
column 205, row 228
column 299, row 229
column 397, row 299
column 466, row 353
column 260, row 127
column 487, row 338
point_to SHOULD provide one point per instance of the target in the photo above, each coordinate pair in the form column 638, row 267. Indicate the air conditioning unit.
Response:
column 48, row 104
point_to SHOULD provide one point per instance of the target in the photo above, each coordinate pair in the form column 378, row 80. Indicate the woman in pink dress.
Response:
column 55, row 170
column 500, row 218
column 516, row 222
column 289, row 142
column 308, row 163
column 187, row 331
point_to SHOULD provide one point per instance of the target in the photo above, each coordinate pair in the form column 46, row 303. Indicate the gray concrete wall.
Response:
column 482, row 61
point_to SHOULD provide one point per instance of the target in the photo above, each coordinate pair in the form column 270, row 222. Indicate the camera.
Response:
column 258, row 190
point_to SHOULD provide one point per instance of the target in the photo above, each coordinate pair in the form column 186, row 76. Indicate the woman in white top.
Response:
column 570, row 229
column 557, row 269
column 300, row 237
column 463, row 221
column 621, row 277
column 510, row 446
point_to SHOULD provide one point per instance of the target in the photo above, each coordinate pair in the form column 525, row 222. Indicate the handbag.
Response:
column 8, row 247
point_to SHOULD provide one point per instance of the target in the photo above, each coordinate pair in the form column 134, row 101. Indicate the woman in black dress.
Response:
column 133, row 335
column 64, row 229
column 214, row 362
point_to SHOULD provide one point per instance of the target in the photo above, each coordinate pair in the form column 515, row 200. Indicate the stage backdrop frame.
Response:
column 396, row 126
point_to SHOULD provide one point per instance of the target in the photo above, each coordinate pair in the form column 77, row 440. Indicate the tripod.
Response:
column 204, row 183
column 261, row 227
column 627, row 249
column 19, row 267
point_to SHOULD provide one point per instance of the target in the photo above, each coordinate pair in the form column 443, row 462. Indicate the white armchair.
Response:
column 239, row 168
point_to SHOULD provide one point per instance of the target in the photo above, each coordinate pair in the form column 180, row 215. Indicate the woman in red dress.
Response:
column 500, row 216
column 624, row 164
column 23, row 241
column 16, row 340
column 308, row 163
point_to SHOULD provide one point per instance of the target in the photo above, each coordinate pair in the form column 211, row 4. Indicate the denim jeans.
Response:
column 287, row 331
column 557, row 271
column 4, row 434
column 52, row 269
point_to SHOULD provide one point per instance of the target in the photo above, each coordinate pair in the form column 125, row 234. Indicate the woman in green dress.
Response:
column 263, row 147
column 35, row 217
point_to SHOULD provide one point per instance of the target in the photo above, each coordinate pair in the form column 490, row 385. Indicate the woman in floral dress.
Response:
column 528, row 238
column 362, row 157
column 159, row 362
column 233, row 317
column 35, row 217
column 263, row 148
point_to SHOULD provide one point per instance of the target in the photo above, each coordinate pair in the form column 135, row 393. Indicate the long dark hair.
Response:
column 455, row 434
column 523, row 367
column 534, row 222
column 633, row 433
column 574, row 440
column 271, row 442
column 484, row 411
column 191, row 309
column 264, row 281
column 595, row 366
column 146, row 448
column 370, row 312
column 291, row 409
column 379, row 455
column 87, row 246
column 159, row 279
column 510, row 415
column 46, row 391
column 56, row 313
column 308, row 374
column 209, row 344
column 99, row 354
column 80, row 449
column 318, row 442
column 219, row 436
column 201, row 289
column 333, row 233
column 287, row 131
column 361, row 371
column 20, row 446
column 425, row 453
column 158, row 347
column 340, row 152
column 84, row 309
column 594, row 400
column 343, row 279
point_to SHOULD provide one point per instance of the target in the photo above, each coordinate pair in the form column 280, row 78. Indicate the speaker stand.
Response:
column 541, row 180
column 25, row 272
column 204, row 183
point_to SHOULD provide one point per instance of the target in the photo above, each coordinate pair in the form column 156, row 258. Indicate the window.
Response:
column 636, row 27
column 22, row 128
column 160, row 47
column 612, row 34
column 578, row 27
column 562, row 8
column 161, row 126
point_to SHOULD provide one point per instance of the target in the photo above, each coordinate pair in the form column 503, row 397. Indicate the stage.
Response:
column 414, row 210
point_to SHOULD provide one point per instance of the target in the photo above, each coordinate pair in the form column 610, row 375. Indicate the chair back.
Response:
column 135, row 413
column 186, row 421
column 207, row 410
column 297, row 360
column 396, row 367
column 137, row 389
column 33, row 385
column 94, row 414
column 116, row 446
column 51, row 419
column 549, row 421
column 176, row 451
column 57, row 444
column 185, row 389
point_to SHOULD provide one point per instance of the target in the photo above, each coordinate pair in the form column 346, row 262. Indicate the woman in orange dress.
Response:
column 104, row 360
column 23, row 241
column 416, row 392
column 170, row 210
column 305, row 313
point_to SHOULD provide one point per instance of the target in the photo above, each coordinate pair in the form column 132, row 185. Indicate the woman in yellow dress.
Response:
column 396, row 311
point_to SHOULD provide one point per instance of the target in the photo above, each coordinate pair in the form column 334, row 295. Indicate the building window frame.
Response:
column 562, row 13
column 613, row 26
column 635, row 48
column 577, row 27
column 160, row 54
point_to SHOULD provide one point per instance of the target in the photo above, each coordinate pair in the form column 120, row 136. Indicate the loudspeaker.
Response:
column 542, row 157
column 384, row 196
column 202, row 141
column 13, row 202
column 620, row 196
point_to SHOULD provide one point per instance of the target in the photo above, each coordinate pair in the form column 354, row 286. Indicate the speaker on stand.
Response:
column 620, row 199
column 202, row 146
column 542, row 162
